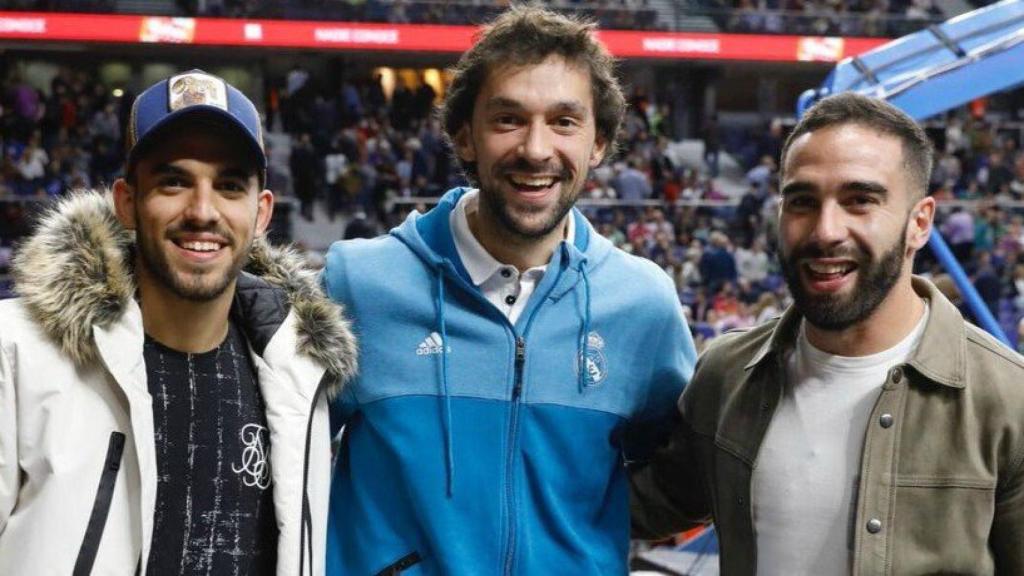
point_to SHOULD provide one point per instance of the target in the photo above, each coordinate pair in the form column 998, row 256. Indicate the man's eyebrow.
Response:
column 865, row 186
column 569, row 107
column 166, row 168
column 797, row 188
column 500, row 102
column 562, row 107
column 235, row 172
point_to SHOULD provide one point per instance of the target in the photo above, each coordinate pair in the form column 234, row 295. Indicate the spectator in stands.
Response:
column 630, row 183
column 987, row 282
column 712, row 137
column 517, row 307
column 987, row 229
column 958, row 231
column 761, row 176
column 106, row 124
column 1017, row 185
column 662, row 167
column 753, row 262
column 31, row 166
column 305, row 168
column 717, row 264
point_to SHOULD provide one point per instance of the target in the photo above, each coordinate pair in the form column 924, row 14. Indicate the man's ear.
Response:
column 124, row 203
column 597, row 154
column 264, row 211
column 464, row 144
column 922, row 217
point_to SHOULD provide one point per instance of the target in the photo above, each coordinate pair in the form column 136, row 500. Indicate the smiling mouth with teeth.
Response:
column 200, row 246
column 830, row 270
column 532, row 182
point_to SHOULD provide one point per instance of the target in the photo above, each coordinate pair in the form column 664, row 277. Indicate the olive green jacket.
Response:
column 941, row 486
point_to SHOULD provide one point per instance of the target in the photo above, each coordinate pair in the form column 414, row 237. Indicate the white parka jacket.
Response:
column 77, row 455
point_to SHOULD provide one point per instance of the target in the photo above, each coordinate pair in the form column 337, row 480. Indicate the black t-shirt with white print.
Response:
column 214, row 505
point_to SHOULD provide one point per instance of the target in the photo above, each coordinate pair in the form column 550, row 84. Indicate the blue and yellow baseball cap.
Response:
column 188, row 95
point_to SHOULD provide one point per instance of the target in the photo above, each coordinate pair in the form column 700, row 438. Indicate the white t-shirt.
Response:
column 501, row 284
column 805, row 481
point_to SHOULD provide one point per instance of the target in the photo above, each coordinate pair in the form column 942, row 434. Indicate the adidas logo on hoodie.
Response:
column 432, row 345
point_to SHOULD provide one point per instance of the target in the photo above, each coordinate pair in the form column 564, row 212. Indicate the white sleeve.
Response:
column 9, row 471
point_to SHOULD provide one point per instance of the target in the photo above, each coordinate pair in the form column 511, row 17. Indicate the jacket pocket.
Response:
column 100, row 506
column 942, row 525
column 403, row 563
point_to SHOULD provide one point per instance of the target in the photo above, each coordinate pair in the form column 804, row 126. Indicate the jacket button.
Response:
column 874, row 526
column 505, row 273
column 740, row 501
column 885, row 420
column 510, row 300
column 897, row 375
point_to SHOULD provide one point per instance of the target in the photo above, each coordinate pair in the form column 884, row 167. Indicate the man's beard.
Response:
column 498, row 205
column 189, row 286
column 834, row 312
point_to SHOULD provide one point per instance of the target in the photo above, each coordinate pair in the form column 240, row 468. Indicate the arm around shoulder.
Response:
column 666, row 493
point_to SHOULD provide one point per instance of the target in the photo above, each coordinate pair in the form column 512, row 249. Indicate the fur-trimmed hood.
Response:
column 75, row 272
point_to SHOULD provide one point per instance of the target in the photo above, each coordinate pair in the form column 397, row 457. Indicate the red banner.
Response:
column 406, row 37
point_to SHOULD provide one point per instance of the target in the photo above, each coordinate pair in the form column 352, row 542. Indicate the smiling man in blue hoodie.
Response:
column 514, row 363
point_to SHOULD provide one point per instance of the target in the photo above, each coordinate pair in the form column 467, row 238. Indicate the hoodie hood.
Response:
column 76, row 271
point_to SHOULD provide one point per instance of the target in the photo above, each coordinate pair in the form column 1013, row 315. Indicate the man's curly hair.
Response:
column 525, row 35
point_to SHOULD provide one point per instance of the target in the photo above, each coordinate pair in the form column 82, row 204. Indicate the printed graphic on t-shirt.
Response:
column 214, row 507
column 255, row 466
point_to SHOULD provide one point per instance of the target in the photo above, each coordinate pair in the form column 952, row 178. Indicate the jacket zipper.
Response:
column 517, row 390
column 402, row 564
column 101, row 506
column 306, row 527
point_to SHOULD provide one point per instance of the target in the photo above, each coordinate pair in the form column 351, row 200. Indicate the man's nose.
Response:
column 537, row 146
column 830, row 226
column 201, row 203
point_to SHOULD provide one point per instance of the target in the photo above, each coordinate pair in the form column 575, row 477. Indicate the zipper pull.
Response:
column 520, row 361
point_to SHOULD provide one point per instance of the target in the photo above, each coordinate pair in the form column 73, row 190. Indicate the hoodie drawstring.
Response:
column 584, row 377
column 449, row 459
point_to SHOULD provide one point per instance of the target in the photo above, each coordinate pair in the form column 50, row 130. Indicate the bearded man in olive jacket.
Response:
column 870, row 429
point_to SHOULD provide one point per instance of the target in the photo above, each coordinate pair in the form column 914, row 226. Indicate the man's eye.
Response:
column 506, row 120
column 567, row 122
column 799, row 202
column 173, row 182
column 232, row 186
column 864, row 200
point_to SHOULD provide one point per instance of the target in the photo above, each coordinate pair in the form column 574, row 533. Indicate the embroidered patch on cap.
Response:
column 194, row 88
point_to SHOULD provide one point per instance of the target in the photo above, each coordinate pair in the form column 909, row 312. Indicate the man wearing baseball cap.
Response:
column 164, row 373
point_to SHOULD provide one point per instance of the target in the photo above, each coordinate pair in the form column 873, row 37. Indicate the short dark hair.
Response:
column 853, row 108
column 528, row 34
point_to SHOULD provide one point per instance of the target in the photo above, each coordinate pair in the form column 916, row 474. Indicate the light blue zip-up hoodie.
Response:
column 473, row 446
